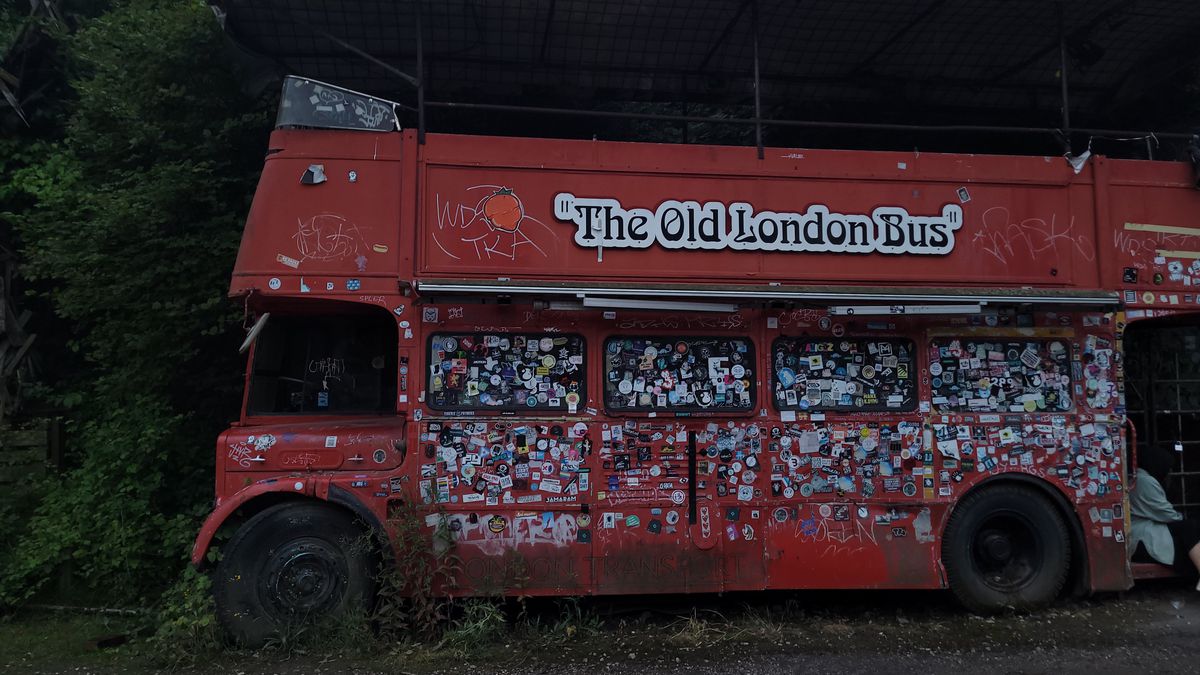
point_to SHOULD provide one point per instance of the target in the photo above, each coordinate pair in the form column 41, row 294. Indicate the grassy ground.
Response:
column 743, row 632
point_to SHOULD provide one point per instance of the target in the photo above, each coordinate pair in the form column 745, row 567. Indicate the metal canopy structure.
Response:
column 1034, row 64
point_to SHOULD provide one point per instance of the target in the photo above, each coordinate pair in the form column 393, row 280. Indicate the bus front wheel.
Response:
column 290, row 564
column 1006, row 546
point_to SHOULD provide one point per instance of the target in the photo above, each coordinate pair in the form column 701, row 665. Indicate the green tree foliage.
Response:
column 135, row 219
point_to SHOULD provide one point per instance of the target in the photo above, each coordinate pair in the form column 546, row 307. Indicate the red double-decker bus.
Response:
column 647, row 368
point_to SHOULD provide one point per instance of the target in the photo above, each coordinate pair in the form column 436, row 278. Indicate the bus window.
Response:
column 1000, row 375
column 647, row 374
column 325, row 364
column 844, row 374
column 527, row 371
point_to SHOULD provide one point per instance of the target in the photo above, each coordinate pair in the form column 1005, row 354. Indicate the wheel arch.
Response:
column 1077, row 574
column 249, row 503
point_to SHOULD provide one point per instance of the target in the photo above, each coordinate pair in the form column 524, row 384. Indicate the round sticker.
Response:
column 583, row 520
column 656, row 470
column 789, row 492
column 935, row 369
column 909, row 489
column 838, row 330
column 678, row 497
column 738, row 370
column 380, row 456
column 274, row 283
column 825, row 510
column 497, row 524
column 650, row 351
column 625, row 386
column 450, row 344
column 468, row 471
column 806, row 490
column 546, row 344
column 580, row 429
column 868, row 372
column 548, row 361
column 572, row 399
column 672, row 517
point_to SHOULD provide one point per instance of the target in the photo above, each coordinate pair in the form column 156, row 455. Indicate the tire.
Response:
column 292, row 563
column 1006, row 546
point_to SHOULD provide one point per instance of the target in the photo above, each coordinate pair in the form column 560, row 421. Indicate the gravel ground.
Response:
column 1155, row 628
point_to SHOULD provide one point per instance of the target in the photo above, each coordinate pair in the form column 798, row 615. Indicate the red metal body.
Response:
column 417, row 231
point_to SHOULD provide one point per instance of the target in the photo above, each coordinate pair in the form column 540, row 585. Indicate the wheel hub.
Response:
column 304, row 578
column 1007, row 552
column 998, row 546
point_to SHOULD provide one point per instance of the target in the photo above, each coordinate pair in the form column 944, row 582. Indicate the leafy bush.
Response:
column 132, row 222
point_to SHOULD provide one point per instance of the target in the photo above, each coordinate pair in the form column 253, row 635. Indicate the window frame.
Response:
column 691, row 411
column 387, row 405
column 914, row 367
column 539, row 409
column 1067, row 343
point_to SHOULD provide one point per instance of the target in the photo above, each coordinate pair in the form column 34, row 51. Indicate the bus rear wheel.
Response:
column 1006, row 546
column 291, row 564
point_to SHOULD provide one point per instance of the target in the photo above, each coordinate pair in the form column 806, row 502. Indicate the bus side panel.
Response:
column 509, row 535
column 854, row 545
column 638, row 552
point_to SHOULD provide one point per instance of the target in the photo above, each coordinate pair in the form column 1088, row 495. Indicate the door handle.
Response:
column 691, row 477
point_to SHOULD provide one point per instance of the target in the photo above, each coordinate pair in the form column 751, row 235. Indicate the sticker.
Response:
column 274, row 283
column 651, row 373
column 497, row 524
column 849, row 374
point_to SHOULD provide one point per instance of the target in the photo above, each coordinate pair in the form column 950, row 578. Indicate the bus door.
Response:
column 735, row 469
column 664, row 467
column 514, row 490
column 657, row 522
column 847, row 490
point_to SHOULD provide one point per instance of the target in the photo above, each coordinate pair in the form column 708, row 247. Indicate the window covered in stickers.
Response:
column 324, row 364
column 664, row 373
column 1000, row 375
column 844, row 374
column 526, row 371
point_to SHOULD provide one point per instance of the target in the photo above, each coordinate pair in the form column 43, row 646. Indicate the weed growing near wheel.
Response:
column 413, row 599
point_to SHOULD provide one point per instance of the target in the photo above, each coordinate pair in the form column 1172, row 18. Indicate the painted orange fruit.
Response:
column 503, row 210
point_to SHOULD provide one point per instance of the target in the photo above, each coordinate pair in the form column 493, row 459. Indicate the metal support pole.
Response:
column 1062, row 70
column 684, row 124
column 420, row 77
column 758, row 139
